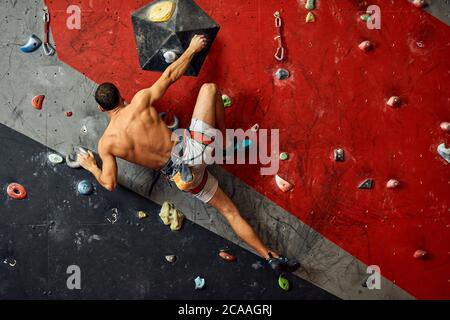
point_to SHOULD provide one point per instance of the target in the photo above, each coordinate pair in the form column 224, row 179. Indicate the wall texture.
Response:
column 334, row 98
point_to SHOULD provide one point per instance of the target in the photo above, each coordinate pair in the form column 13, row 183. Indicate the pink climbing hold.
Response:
column 445, row 126
column 419, row 3
column 366, row 46
column 394, row 101
column 420, row 254
column 37, row 102
column 283, row 184
column 392, row 184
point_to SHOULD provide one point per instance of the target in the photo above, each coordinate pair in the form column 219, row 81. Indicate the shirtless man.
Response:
column 136, row 133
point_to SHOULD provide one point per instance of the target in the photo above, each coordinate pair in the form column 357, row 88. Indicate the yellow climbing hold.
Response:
column 171, row 216
column 310, row 17
column 162, row 11
column 142, row 215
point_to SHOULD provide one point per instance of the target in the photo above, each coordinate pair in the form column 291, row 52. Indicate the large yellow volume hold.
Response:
column 162, row 11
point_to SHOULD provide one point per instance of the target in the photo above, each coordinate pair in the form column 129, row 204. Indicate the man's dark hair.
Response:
column 107, row 96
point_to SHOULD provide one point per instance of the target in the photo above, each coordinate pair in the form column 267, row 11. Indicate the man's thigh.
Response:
column 206, row 104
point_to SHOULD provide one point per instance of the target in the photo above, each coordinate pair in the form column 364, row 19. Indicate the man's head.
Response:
column 108, row 97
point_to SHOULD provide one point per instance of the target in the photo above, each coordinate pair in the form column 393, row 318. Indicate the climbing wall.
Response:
column 335, row 98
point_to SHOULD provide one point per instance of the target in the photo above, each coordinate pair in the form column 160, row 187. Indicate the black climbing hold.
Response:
column 154, row 39
column 339, row 155
column 367, row 184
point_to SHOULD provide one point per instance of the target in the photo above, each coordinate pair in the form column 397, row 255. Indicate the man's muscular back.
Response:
column 137, row 134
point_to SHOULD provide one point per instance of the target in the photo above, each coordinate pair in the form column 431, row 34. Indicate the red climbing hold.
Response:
column 394, row 101
column 420, row 254
column 69, row 114
column 37, row 102
column 366, row 46
column 16, row 191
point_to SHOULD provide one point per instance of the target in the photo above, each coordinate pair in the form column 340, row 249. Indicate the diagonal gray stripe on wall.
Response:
column 22, row 76
column 440, row 9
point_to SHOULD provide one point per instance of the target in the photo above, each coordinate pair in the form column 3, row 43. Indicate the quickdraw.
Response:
column 279, row 54
column 47, row 47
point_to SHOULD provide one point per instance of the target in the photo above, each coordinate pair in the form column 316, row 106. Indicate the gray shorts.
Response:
column 193, row 152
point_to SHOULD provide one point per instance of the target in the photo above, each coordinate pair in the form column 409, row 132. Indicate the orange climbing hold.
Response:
column 16, row 191
column 37, row 102
column 226, row 256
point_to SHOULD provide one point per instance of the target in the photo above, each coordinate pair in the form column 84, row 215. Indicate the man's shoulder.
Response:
column 105, row 143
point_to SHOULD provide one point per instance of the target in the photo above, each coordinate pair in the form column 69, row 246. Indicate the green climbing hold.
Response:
column 55, row 158
column 310, row 4
column 310, row 18
column 365, row 17
column 226, row 101
column 284, row 156
column 283, row 283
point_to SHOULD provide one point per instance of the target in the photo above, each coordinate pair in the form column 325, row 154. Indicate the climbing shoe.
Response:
column 283, row 264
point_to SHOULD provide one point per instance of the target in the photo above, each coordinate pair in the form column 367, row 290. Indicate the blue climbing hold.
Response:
column 85, row 187
column 32, row 45
column 244, row 145
column 367, row 184
column 444, row 152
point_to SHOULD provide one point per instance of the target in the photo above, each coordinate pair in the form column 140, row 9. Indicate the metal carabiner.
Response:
column 277, row 19
column 279, row 55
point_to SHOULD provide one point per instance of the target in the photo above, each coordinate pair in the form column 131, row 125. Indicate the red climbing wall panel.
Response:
column 335, row 98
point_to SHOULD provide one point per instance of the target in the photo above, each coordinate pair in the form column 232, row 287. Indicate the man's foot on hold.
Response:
column 283, row 264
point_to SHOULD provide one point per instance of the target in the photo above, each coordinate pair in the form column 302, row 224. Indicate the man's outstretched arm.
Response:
column 175, row 71
column 107, row 175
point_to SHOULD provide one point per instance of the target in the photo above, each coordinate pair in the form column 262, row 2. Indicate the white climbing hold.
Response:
column 171, row 258
column 394, row 101
column 365, row 46
column 55, row 158
column 170, row 56
column 419, row 3
column 255, row 128
column 392, row 184
column 283, row 184
column 445, row 126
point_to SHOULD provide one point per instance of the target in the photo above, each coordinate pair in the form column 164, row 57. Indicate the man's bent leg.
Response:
column 209, row 108
column 243, row 230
